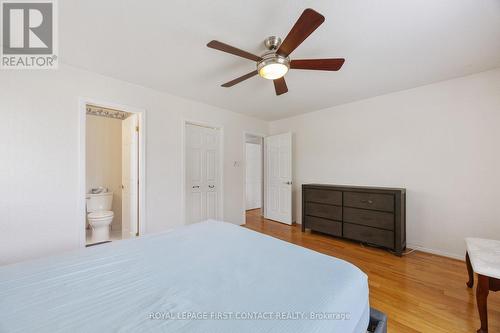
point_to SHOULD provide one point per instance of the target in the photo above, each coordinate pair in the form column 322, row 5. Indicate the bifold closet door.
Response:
column 202, row 173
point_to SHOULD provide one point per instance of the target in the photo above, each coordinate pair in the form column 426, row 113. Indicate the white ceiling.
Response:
column 389, row 45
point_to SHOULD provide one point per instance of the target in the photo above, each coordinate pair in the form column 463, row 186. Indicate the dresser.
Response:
column 372, row 215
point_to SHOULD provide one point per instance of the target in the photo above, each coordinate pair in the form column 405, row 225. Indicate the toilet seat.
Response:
column 101, row 215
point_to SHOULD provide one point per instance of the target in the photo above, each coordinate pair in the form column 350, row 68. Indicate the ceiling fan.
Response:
column 275, row 63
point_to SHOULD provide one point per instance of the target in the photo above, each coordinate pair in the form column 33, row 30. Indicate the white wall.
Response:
column 104, row 160
column 440, row 141
column 39, row 190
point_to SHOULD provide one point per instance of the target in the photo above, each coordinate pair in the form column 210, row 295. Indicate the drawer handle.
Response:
column 367, row 201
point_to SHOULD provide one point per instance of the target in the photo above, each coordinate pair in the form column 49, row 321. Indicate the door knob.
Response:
column 196, row 186
column 288, row 183
column 211, row 186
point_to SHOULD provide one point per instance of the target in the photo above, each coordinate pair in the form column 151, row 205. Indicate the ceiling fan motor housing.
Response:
column 270, row 57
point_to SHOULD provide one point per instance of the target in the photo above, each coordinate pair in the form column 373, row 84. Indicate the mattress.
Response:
column 206, row 277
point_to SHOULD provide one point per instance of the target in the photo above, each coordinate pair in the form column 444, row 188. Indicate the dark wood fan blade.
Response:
column 238, row 80
column 309, row 21
column 280, row 86
column 233, row 50
column 318, row 64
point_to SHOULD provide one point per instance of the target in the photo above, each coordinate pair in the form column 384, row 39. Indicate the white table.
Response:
column 483, row 257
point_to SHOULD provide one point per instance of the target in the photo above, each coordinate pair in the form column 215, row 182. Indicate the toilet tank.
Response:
column 99, row 202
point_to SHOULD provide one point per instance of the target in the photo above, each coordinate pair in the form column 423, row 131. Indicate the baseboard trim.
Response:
column 431, row 251
column 436, row 252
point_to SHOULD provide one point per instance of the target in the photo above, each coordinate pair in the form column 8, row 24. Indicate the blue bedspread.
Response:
column 207, row 277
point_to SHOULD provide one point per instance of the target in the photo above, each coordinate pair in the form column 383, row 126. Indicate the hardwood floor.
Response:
column 419, row 292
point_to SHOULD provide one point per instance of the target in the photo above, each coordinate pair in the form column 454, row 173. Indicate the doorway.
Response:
column 203, row 172
column 112, row 172
column 269, row 164
column 254, row 174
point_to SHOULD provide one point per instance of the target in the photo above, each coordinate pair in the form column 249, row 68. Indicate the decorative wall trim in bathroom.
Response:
column 104, row 112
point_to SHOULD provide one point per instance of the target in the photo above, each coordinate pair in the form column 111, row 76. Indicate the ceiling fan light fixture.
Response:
column 273, row 71
column 273, row 67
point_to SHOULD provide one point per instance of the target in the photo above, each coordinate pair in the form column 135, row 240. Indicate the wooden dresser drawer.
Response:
column 369, row 218
column 369, row 235
column 375, row 201
column 322, row 225
column 325, row 211
column 324, row 196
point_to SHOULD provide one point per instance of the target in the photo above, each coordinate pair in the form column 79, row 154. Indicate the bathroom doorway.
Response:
column 113, row 173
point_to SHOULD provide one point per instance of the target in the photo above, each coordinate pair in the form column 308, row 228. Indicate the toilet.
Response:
column 100, row 215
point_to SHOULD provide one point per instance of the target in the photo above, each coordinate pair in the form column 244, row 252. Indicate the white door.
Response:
column 253, row 176
column 278, row 186
column 130, row 176
column 202, row 173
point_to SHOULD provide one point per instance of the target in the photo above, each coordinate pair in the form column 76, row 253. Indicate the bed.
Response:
column 207, row 277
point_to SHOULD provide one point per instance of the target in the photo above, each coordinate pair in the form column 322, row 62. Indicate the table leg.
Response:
column 482, row 290
column 470, row 283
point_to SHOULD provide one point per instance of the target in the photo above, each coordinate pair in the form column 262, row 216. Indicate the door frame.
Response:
column 82, row 110
column 263, row 194
column 220, row 128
